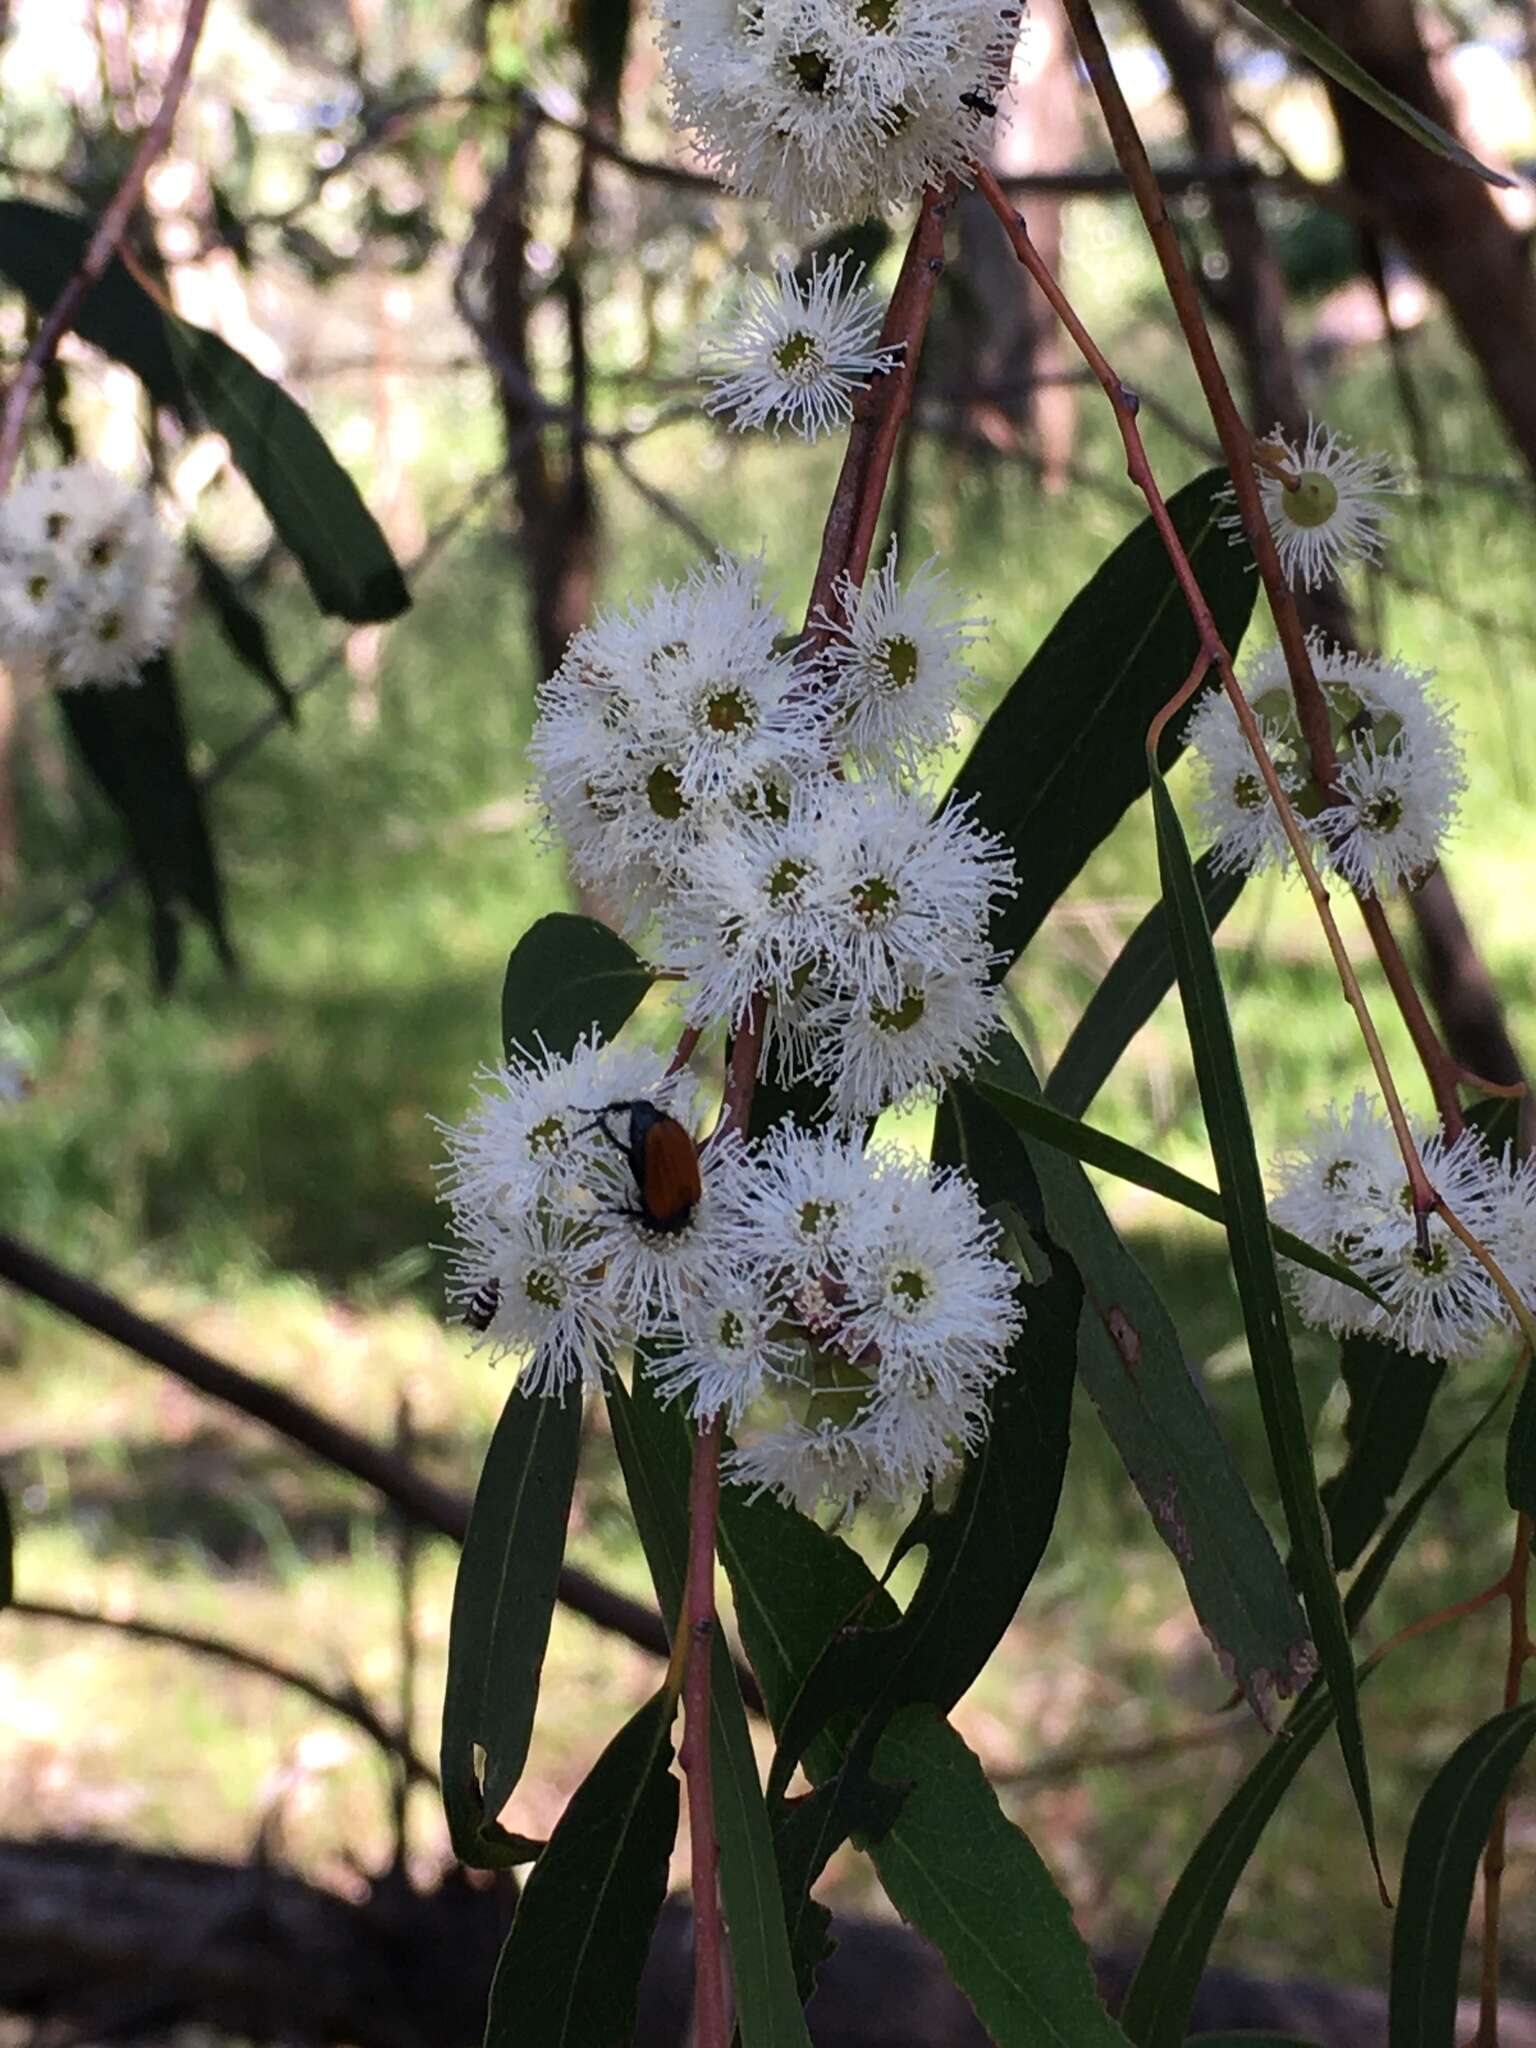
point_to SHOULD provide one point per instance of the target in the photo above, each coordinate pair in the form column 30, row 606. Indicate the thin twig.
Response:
column 351, row 1704
column 410, row 1490
column 101, row 248
column 1236, row 442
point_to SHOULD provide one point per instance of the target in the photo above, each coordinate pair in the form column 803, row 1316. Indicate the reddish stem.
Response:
column 852, row 517
column 1237, row 447
column 101, row 248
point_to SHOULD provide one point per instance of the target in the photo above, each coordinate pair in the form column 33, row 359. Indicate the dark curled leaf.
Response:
column 1308, row 40
column 1157, row 2007
column 1131, row 1362
column 241, row 626
column 1390, row 1391
column 1062, row 757
column 132, row 740
column 565, row 974
column 982, row 1552
column 1520, row 1450
column 652, row 1443
column 1140, row 975
column 312, row 502
column 1445, row 1843
column 503, row 1599
column 806, row 1833
column 570, row 1971
column 1227, row 1122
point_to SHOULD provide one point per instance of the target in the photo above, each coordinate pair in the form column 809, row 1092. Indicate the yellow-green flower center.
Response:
column 874, row 898
column 543, row 1289
column 784, row 882
column 909, row 1289
column 1312, row 501
column 664, row 793
column 547, row 1136
column 903, row 1015
column 799, row 356
column 728, row 711
column 812, row 70
column 898, row 662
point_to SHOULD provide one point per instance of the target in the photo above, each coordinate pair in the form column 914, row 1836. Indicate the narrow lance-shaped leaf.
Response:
column 565, row 974
column 982, row 1552
column 569, row 1974
column 1520, row 1450
column 133, row 741
column 312, row 502
column 957, row 1868
column 503, row 1599
column 1308, row 40
column 1097, row 1148
column 1062, row 757
column 653, row 1452
column 1258, row 1284
column 1390, row 1392
column 1445, row 1843
column 1131, row 1362
column 1158, row 2004
column 241, row 625
column 1139, row 976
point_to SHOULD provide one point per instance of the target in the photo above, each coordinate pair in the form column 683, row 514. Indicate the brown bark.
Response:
column 1446, row 219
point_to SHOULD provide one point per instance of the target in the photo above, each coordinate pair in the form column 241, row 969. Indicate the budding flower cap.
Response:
column 832, row 110
column 796, row 351
column 1325, row 510
column 87, row 577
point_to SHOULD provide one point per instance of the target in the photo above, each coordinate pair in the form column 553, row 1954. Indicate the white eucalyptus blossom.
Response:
column 1345, row 1189
column 87, row 577
column 1399, row 769
column 797, row 350
column 667, row 722
column 1326, row 512
column 871, row 1054
column 832, row 110
column 896, row 662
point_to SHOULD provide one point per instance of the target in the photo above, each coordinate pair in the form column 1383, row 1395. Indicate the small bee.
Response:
column 663, row 1159
column 977, row 103
column 480, row 1309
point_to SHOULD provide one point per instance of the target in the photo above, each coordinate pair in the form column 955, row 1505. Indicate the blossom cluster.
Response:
column 87, row 577
column 1399, row 769
column 845, row 1310
column 1344, row 1189
column 758, row 819
column 832, row 110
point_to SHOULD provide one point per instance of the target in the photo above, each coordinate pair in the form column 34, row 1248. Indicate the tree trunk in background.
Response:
column 1446, row 220
column 1253, row 304
column 1251, row 299
column 1021, row 354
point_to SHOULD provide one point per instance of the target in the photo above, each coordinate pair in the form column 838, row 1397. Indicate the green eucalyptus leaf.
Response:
column 1131, row 1362
column 132, row 739
column 1445, row 1843
column 652, row 1443
column 1157, row 2006
column 565, row 974
column 241, row 626
column 312, row 502
column 1520, row 1450
column 1139, row 976
column 569, row 1973
column 1062, row 757
column 954, row 1865
column 1097, row 1148
column 982, row 1551
column 1258, row 1283
column 1308, row 41
column 1390, row 1392
column 503, row 1600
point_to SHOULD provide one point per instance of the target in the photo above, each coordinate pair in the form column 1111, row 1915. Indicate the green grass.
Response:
column 253, row 1160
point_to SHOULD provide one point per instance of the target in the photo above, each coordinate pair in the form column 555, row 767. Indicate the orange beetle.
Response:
column 664, row 1161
